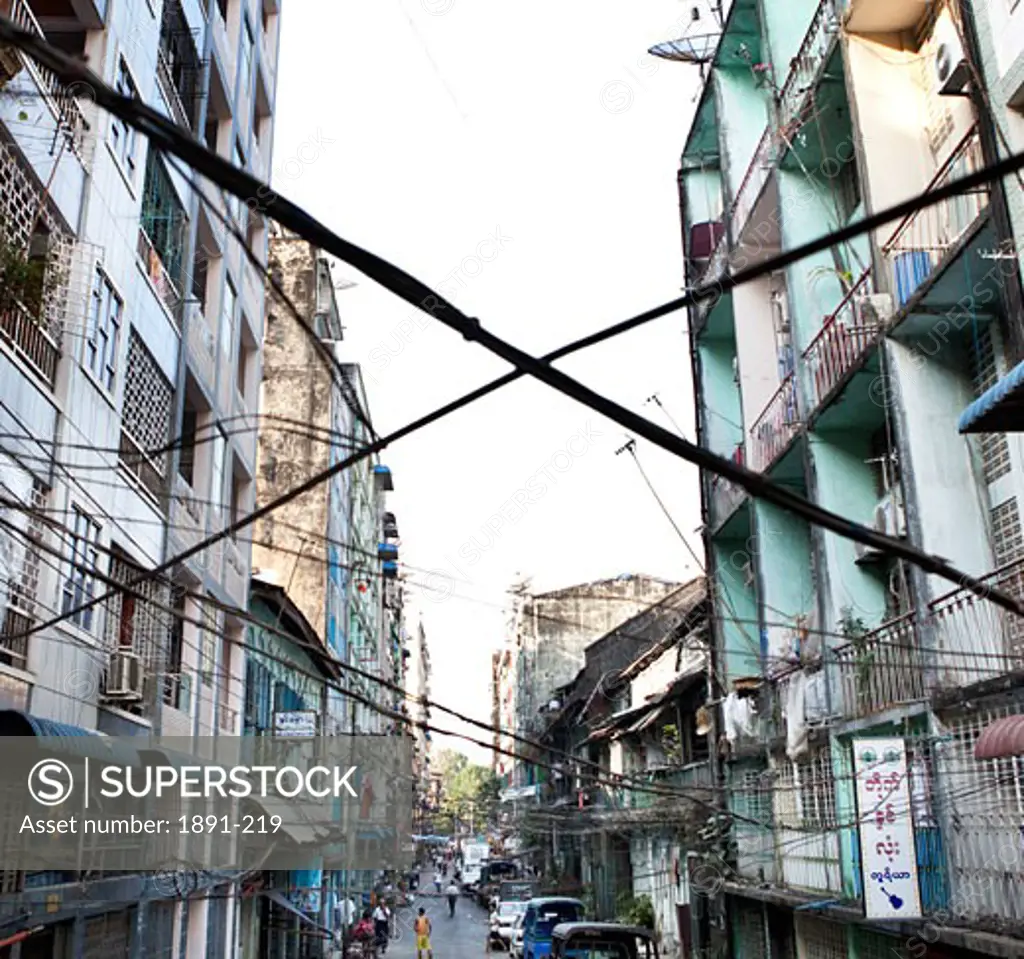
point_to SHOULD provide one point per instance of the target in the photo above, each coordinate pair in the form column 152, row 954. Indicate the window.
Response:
column 227, row 322
column 80, row 586
column 217, row 491
column 162, row 222
column 145, row 416
column 847, row 191
column 247, row 46
column 187, row 459
column 238, row 497
column 236, row 204
column 122, row 136
column 104, row 329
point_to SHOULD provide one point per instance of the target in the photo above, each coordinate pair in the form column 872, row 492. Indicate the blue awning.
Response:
column 999, row 409
column 72, row 740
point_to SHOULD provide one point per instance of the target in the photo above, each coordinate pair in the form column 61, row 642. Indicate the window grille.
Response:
column 995, row 450
column 105, row 313
column 748, row 920
column 163, row 218
column 80, row 584
column 146, row 417
column 139, row 625
column 20, row 564
column 122, row 136
column 1007, row 536
column 821, row 939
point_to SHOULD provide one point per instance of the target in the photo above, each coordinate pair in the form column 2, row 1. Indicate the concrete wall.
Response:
column 743, row 116
column 785, row 569
column 755, row 348
column 704, row 200
column 784, row 26
column 736, row 609
column 723, row 420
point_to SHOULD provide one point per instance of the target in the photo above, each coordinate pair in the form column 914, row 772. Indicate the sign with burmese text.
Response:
column 207, row 803
column 887, row 848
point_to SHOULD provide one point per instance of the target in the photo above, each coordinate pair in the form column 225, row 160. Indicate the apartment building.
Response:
column 130, row 318
column 844, row 378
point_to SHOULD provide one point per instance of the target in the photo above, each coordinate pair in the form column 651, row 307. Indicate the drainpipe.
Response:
column 1013, row 300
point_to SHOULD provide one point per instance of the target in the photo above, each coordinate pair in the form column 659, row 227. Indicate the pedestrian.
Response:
column 422, row 929
column 437, row 883
column 453, row 895
column 381, row 926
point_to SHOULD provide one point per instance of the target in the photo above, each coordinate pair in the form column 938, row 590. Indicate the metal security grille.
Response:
column 139, row 625
column 109, row 936
column 748, row 930
column 985, row 800
column 158, row 934
column 806, row 834
column 145, row 416
column 819, row 939
column 1007, row 535
column 995, row 450
column 875, row 945
column 20, row 558
column 217, row 923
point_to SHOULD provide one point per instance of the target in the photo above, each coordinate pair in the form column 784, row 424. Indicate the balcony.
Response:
column 202, row 346
column 65, row 108
column 845, row 338
column 165, row 287
column 926, row 240
column 165, row 81
column 808, row 63
column 726, row 496
column 27, row 336
column 146, row 468
column 245, row 430
column 776, row 427
column 881, row 670
column 188, row 515
column 885, row 16
column 976, row 639
column 754, row 180
column 236, row 577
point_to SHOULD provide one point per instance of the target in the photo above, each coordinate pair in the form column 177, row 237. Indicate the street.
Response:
column 463, row 937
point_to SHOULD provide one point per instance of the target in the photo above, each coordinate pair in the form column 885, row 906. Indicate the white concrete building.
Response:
column 130, row 319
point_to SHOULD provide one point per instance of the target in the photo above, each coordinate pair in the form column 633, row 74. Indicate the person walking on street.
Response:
column 452, row 892
column 437, row 882
column 381, row 926
column 422, row 929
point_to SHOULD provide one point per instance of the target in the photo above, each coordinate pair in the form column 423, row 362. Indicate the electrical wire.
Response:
column 165, row 135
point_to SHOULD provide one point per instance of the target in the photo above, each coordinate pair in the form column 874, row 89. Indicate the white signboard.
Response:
column 297, row 724
column 887, row 849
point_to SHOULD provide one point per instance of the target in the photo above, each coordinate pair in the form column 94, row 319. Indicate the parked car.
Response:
column 503, row 918
column 540, row 919
column 602, row 940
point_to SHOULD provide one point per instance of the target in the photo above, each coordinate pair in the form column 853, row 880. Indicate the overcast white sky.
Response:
column 450, row 121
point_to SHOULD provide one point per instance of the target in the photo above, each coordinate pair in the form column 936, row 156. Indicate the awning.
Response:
column 72, row 740
column 282, row 900
column 1000, row 409
column 1003, row 738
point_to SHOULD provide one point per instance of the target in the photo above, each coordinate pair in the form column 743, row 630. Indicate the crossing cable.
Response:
column 165, row 135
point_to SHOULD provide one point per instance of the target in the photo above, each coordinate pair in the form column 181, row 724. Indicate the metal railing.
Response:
column 13, row 639
column 922, row 240
column 753, row 183
column 188, row 514
column 177, row 691
column 170, row 92
column 726, row 496
column 61, row 102
column 142, row 467
column 806, row 66
column 843, row 339
column 165, row 287
column 30, row 340
column 882, row 669
column 975, row 639
column 778, row 423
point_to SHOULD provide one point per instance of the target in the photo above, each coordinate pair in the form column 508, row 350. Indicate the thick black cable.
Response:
column 165, row 135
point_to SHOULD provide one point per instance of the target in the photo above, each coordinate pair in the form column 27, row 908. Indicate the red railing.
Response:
column 776, row 426
column 843, row 339
column 919, row 244
column 753, row 183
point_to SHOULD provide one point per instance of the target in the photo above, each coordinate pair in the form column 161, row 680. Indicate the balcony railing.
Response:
column 753, row 183
column 843, row 339
column 726, row 496
column 60, row 101
column 145, row 468
column 165, row 287
column 30, row 340
column 202, row 346
column 806, row 66
column 776, row 426
column 188, row 515
column 977, row 640
column 882, row 669
column 921, row 242
column 170, row 92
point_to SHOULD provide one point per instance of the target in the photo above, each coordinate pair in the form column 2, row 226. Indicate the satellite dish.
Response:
column 699, row 48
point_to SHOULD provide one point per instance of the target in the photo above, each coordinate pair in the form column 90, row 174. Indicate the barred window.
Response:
column 134, row 624
column 80, row 585
column 122, row 136
column 145, row 416
column 105, row 314
column 1007, row 536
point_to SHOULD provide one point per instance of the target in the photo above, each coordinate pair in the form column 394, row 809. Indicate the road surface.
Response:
column 464, row 937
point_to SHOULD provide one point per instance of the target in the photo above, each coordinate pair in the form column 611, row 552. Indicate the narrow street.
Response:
column 464, row 937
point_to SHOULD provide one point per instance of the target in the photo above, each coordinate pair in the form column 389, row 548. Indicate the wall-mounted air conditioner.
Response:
column 951, row 68
column 889, row 519
column 125, row 677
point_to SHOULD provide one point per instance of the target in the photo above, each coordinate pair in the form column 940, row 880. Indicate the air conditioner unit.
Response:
column 125, row 677
column 889, row 520
column 951, row 69
column 873, row 310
